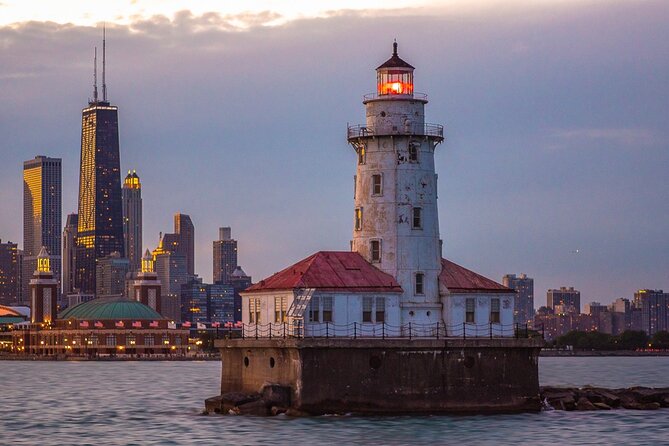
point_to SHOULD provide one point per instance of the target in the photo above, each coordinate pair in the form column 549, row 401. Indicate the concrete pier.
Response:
column 389, row 376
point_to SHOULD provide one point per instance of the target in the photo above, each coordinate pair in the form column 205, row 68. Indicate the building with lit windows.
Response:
column 69, row 253
column 654, row 306
column 523, row 311
column 42, row 202
column 132, row 219
column 110, row 274
column 10, row 279
column 225, row 256
column 171, row 269
column 182, row 241
column 567, row 299
column 207, row 303
column 100, row 221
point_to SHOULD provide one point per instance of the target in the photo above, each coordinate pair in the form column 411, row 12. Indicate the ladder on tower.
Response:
column 297, row 309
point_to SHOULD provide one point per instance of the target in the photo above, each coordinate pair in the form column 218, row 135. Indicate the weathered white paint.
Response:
column 455, row 312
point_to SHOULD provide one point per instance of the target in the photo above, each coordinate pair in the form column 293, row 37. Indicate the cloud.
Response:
column 631, row 138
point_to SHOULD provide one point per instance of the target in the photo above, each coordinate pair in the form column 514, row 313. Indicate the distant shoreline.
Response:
column 605, row 353
column 11, row 357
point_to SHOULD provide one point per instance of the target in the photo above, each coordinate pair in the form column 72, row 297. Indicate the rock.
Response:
column 275, row 410
column 584, row 404
column 641, row 406
column 276, row 395
column 296, row 413
column 559, row 398
column 231, row 400
column 259, row 408
column 602, row 406
column 213, row 404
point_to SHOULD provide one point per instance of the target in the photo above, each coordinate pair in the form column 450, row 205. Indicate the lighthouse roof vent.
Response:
column 395, row 61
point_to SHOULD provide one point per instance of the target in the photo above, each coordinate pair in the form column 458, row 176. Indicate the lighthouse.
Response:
column 396, row 223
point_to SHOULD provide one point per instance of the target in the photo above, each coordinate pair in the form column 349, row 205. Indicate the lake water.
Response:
column 122, row 403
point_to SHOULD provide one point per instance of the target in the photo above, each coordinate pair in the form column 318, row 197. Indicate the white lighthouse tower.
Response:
column 396, row 224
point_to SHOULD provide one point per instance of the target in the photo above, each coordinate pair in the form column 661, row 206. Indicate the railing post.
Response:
column 327, row 330
column 284, row 330
column 383, row 330
column 437, row 329
column 464, row 330
column 491, row 330
column 243, row 330
column 527, row 333
column 270, row 330
column 355, row 329
column 256, row 330
column 516, row 331
column 409, row 330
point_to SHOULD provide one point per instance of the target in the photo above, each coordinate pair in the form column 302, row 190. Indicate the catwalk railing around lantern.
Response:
column 411, row 129
column 357, row 330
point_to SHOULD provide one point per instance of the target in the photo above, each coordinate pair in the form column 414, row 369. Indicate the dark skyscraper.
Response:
column 100, row 226
column 225, row 256
column 132, row 219
column 41, row 215
column 523, row 307
column 10, row 269
column 182, row 241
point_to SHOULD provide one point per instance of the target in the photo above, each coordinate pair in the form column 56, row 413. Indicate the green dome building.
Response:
column 111, row 309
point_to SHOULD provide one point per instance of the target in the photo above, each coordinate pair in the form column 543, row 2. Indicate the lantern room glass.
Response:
column 394, row 82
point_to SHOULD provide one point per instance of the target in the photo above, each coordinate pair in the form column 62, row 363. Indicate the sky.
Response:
column 556, row 117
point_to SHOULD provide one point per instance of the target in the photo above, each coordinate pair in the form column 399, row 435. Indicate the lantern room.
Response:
column 394, row 77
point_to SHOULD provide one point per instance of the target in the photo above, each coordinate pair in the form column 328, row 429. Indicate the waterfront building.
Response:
column 147, row 287
column 132, row 219
column 42, row 201
column 69, row 253
column 334, row 311
column 43, row 291
column 654, row 306
column 10, row 280
column 239, row 281
column 110, row 275
column 100, row 221
column 523, row 311
column 207, row 303
column 565, row 297
column 225, row 256
column 182, row 241
column 115, row 326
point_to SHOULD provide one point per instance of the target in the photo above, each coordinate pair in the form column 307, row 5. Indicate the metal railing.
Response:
column 363, row 131
column 374, row 96
column 357, row 330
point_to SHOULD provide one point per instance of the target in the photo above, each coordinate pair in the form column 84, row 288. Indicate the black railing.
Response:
column 362, row 131
column 357, row 330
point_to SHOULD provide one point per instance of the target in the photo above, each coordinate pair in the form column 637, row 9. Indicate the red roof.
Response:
column 461, row 280
column 332, row 271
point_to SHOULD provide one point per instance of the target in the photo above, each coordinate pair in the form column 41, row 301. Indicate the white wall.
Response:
column 455, row 309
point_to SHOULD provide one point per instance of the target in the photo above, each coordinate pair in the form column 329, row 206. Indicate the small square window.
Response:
column 375, row 250
column 420, row 278
column 417, row 220
column 377, row 184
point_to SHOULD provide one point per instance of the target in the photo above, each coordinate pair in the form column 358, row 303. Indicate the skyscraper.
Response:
column 41, row 215
column 9, row 273
column 567, row 298
column 100, row 225
column 523, row 311
column 69, row 253
column 132, row 219
column 225, row 256
column 110, row 275
column 182, row 241
column 654, row 305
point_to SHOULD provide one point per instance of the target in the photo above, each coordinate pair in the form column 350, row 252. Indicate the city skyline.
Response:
column 559, row 197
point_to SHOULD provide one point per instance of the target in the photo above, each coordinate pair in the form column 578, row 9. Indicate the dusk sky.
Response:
column 556, row 113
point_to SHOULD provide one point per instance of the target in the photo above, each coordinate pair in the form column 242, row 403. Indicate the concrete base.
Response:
column 388, row 376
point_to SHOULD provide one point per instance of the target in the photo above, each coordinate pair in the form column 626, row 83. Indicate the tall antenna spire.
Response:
column 95, row 75
column 104, row 44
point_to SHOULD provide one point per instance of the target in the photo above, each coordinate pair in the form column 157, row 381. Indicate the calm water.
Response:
column 119, row 403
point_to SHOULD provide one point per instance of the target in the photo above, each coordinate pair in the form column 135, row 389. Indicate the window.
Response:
column 470, row 310
column 367, row 304
column 358, row 219
column 377, row 184
column 327, row 308
column 420, row 279
column 417, row 220
column 152, row 299
column 254, row 310
column 494, row 311
column 380, row 311
column 375, row 250
column 362, row 154
column 111, row 340
column 280, row 309
column 413, row 152
column 149, row 340
column 130, row 340
column 314, row 309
